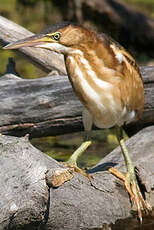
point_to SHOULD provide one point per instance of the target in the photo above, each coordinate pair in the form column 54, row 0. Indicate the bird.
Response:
column 108, row 83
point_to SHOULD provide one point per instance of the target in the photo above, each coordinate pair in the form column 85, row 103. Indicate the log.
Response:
column 48, row 106
column 28, row 202
column 44, row 59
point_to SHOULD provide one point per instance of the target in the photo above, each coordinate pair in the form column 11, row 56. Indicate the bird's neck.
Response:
column 93, row 61
column 88, row 73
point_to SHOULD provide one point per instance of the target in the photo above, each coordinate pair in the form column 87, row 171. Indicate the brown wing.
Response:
column 131, row 84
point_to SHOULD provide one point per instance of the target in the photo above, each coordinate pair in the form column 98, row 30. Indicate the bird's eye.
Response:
column 56, row 36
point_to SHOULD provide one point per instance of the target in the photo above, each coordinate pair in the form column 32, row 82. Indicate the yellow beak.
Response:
column 33, row 41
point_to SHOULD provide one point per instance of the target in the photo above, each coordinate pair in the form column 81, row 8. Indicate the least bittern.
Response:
column 108, row 83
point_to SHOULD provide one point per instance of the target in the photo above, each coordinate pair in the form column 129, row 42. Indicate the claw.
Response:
column 76, row 169
column 134, row 192
column 71, row 163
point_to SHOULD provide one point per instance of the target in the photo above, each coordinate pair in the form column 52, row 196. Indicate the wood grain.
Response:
column 28, row 203
column 48, row 106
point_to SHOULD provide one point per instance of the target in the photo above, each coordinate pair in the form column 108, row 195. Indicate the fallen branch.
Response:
column 48, row 106
column 27, row 202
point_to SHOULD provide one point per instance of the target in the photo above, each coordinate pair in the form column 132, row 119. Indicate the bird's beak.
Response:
column 33, row 41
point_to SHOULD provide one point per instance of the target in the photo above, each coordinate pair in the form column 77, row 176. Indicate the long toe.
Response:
column 133, row 189
column 74, row 166
column 136, row 196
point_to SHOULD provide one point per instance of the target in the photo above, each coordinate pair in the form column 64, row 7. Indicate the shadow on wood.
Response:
column 28, row 203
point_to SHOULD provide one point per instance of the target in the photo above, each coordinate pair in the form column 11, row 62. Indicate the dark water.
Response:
column 61, row 147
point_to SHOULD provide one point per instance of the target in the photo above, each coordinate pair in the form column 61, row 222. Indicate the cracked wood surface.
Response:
column 48, row 106
column 27, row 202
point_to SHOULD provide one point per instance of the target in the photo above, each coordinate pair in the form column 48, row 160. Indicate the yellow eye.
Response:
column 56, row 36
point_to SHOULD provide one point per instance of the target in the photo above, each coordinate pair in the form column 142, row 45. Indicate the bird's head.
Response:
column 59, row 38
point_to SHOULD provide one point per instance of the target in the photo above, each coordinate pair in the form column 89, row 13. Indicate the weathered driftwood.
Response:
column 48, row 106
column 27, row 202
column 47, row 60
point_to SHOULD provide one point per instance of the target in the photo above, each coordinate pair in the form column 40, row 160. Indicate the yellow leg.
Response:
column 130, row 180
column 78, row 152
column 72, row 161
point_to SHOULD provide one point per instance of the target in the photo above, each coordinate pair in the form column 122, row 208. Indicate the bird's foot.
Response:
column 132, row 187
column 73, row 165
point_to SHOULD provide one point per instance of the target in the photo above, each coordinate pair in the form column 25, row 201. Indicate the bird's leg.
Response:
column 87, row 123
column 82, row 148
column 72, row 161
column 130, row 180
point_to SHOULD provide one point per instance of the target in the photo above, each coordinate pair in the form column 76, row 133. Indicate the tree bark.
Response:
column 28, row 202
column 48, row 106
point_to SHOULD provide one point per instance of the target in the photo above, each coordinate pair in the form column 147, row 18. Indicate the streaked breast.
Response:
column 95, row 93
